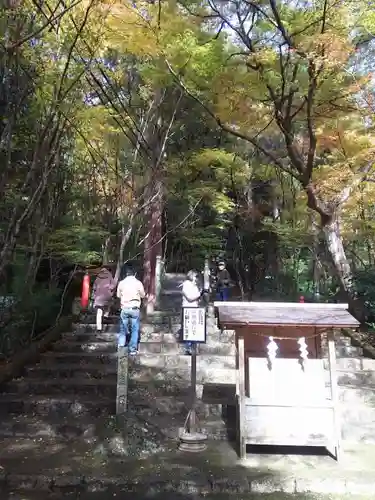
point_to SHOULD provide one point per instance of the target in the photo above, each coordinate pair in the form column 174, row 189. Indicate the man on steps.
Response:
column 223, row 282
column 130, row 291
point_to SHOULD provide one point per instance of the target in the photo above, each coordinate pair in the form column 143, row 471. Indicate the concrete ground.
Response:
column 210, row 474
column 306, row 473
column 175, row 496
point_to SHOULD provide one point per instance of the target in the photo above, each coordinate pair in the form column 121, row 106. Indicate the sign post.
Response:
column 194, row 331
column 122, row 381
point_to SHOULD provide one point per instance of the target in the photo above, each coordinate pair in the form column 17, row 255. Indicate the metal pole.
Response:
column 192, row 419
column 193, row 441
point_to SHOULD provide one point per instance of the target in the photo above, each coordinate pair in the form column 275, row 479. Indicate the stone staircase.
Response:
column 58, row 429
column 57, row 419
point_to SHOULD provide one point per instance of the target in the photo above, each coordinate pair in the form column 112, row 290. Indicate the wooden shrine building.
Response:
column 286, row 385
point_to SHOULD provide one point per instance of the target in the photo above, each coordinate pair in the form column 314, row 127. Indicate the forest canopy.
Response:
column 186, row 129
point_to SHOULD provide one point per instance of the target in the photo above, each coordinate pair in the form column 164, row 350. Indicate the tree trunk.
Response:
column 337, row 253
column 105, row 249
column 341, row 265
column 125, row 237
column 153, row 245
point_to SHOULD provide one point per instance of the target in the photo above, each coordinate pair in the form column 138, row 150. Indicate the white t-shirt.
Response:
column 190, row 294
column 130, row 291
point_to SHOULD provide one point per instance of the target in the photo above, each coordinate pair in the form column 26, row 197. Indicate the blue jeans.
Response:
column 131, row 316
column 222, row 294
column 188, row 346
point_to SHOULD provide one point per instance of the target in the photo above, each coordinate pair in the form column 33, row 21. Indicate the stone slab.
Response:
column 217, row 348
column 91, row 347
column 353, row 364
column 92, row 370
column 364, row 378
column 65, row 404
column 83, row 358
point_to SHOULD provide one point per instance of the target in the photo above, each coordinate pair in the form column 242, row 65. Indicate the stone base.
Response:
column 193, row 442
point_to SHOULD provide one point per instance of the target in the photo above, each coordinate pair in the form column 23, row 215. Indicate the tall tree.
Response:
column 286, row 70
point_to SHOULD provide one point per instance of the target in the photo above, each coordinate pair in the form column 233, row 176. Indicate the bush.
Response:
column 26, row 313
column 364, row 282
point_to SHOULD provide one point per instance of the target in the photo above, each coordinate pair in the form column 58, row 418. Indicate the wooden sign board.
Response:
column 194, row 324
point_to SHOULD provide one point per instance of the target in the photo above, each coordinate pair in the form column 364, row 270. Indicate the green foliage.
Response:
column 77, row 244
column 28, row 313
column 364, row 280
column 86, row 114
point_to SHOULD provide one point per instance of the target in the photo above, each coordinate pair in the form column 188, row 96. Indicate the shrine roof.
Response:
column 232, row 314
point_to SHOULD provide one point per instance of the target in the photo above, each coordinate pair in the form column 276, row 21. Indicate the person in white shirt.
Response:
column 190, row 297
column 130, row 291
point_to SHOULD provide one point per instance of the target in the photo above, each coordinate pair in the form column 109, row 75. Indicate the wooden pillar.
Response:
column 241, row 396
column 334, row 392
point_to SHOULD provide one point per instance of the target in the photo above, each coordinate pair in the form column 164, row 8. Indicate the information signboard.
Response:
column 194, row 324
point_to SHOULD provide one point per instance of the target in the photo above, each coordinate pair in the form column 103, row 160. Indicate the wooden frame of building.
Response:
column 281, row 386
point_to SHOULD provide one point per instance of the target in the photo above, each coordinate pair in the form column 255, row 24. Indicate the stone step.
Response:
column 344, row 347
column 146, row 329
column 69, row 404
column 163, row 315
column 88, row 337
column 205, row 362
column 343, row 351
column 342, row 340
column 85, row 336
column 80, row 328
column 159, row 360
column 217, row 347
column 60, row 385
column 95, row 371
column 357, row 396
column 146, row 326
column 155, row 343
column 91, row 318
column 225, row 336
column 31, row 426
column 183, row 376
column 354, row 364
column 92, row 371
column 68, row 429
column 212, row 348
column 82, row 358
column 221, row 370
column 84, row 347
column 145, row 366
column 161, row 348
column 63, row 426
column 357, row 425
column 167, row 324
column 364, row 379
